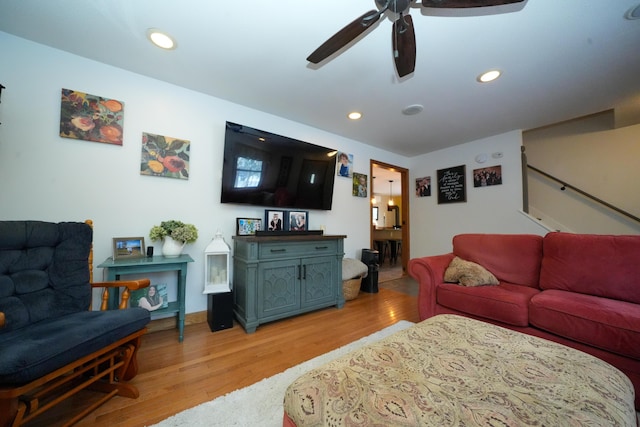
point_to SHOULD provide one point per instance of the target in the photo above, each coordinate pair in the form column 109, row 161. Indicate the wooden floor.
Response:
column 174, row 377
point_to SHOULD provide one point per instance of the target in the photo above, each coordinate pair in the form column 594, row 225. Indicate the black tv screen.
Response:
column 264, row 169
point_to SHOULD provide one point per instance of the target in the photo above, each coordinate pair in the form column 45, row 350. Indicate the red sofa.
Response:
column 575, row 289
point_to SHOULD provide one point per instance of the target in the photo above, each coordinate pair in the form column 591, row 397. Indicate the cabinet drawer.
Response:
column 299, row 249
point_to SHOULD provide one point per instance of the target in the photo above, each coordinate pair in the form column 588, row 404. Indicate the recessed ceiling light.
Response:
column 633, row 13
column 355, row 115
column 161, row 39
column 489, row 76
column 412, row 109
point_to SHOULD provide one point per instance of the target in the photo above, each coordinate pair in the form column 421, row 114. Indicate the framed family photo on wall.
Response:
column 487, row 177
column 423, row 186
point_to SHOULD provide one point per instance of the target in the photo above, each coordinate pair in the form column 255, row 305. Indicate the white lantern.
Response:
column 216, row 266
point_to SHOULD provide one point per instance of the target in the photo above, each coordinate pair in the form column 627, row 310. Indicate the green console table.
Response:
column 279, row 276
column 155, row 264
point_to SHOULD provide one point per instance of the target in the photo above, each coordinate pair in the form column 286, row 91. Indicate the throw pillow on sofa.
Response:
column 468, row 273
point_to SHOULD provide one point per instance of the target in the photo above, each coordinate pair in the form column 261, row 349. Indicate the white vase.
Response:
column 171, row 248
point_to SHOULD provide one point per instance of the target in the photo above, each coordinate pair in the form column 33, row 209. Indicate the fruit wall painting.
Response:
column 91, row 117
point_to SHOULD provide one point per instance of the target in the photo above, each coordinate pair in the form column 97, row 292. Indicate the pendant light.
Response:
column 390, row 199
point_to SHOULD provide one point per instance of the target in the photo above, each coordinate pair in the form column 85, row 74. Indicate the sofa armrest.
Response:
column 429, row 272
column 129, row 285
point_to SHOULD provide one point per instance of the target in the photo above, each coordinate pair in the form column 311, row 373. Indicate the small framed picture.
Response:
column 423, row 186
column 359, row 185
column 486, row 177
column 128, row 247
column 248, row 226
column 344, row 165
column 298, row 220
column 275, row 220
column 152, row 298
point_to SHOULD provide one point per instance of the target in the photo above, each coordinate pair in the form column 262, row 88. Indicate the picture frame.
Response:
column 248, row 226
column 152, row 298
column 360, row 181
column 452, row 185
column 423, row 186
column 275, row 220
column 176, row 153
column 486, row 177
column 128, row 247
column 344, row 164
column 298, row 221
column 91, row 117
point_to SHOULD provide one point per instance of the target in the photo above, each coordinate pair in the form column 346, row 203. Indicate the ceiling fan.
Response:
column 403, row 35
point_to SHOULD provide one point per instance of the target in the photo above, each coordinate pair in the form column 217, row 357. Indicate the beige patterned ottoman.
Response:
column 454, row 371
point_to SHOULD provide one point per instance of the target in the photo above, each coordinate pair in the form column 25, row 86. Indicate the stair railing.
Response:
column 583, row 193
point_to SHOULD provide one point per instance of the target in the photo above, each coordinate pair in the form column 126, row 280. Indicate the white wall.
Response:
column 46, row 177
column 588, row 154
column 494, row 209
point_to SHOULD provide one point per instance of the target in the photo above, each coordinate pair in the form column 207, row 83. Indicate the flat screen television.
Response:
column 264, row 169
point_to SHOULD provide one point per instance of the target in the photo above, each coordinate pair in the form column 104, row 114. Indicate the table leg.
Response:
column 182, row 283
column 113, row 302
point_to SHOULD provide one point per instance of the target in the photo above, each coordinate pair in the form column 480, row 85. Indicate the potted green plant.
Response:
column 174, row 235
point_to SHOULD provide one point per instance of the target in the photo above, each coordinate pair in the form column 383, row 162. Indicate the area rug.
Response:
column 260, row 404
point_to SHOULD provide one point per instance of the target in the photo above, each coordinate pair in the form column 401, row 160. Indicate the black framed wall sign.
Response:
column 452, row 185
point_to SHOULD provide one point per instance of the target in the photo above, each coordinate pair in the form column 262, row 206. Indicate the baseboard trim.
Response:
column 170, row 322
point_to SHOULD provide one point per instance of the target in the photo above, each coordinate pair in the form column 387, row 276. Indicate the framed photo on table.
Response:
column 298, row 220
column 128, row 247
column 275, row 220
column 248, row 226
column 155, row 297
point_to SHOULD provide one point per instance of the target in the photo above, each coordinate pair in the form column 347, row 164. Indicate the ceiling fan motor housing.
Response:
column 395, row 6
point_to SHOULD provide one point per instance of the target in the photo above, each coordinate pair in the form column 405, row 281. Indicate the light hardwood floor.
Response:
column 174, row 377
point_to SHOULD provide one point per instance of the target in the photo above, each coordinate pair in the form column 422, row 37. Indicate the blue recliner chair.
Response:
column 50, row 339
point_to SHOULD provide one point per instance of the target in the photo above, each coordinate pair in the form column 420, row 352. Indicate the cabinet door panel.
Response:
column 318, row 284
column 278, row 287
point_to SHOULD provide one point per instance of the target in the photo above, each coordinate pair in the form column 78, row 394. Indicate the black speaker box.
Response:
column 220, row 311
column 369, row 256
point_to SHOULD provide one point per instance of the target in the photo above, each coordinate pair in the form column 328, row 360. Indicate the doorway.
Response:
column 390, row 217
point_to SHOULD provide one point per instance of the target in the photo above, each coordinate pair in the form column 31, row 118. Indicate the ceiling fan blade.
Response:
column 451, row 4
column 404, row 45
column 344, row 36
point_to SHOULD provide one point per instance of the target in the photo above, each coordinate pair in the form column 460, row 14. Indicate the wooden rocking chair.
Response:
column 52, row 345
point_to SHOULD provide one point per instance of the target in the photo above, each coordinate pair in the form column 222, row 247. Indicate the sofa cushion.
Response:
column 38, row 349
column 505, row 302
column 468, row 273
column 512, row 258
column 600, row 322
column 600, row 265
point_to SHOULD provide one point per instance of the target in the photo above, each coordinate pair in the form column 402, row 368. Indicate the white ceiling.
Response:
column 561, row 59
